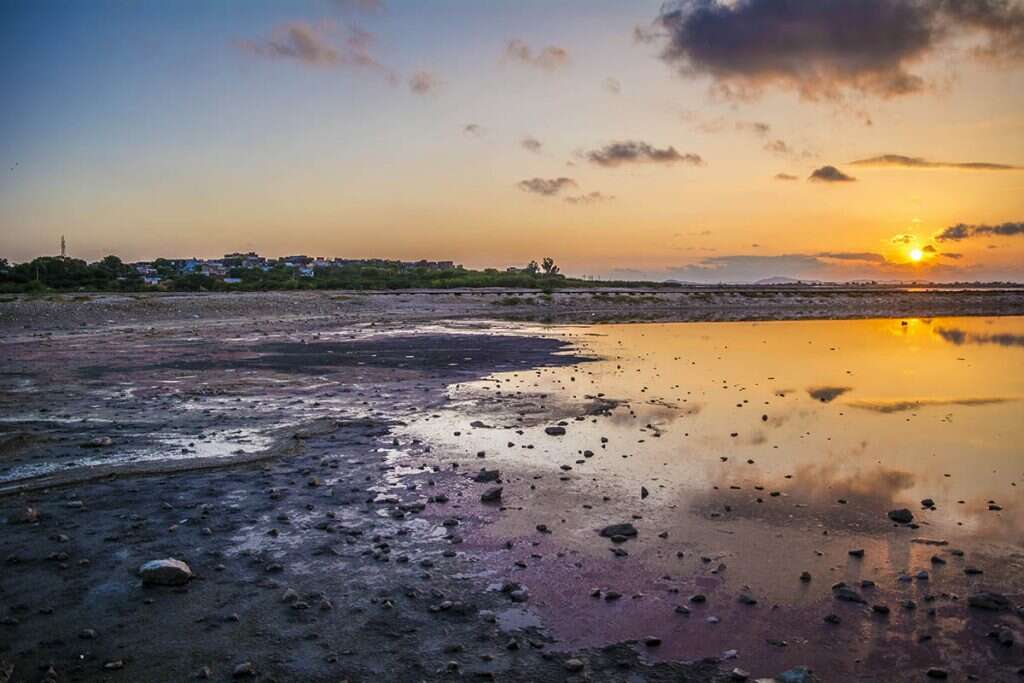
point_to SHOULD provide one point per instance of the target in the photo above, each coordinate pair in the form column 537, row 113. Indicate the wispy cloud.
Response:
column 546, row 187
column 315, row 45
column 867, row 256
column 612, row 85
column 830, row 174
column 424, row 83
column 635, row 152
column 900, row 161
column 472, row 129
column 549, row 58
column 590, row 198
column 962, row 231
column 531, row 144
column 785, row 176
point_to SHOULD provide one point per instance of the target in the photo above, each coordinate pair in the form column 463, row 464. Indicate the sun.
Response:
column 916, row 255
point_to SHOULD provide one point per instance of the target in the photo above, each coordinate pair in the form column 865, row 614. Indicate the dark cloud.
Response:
column 822, row 49
column 472, row 129
column 785, row 176
column 423, row 83
column 853, row 256
column 830, row 174
column 928, row 249
column 960, row 337
column 631, row 152
column 961, row 231
column 531, row 144
column 899, row 161
column 550, row 58
column 547, row 187
column 311, row 45
column 612, row 85
column 952, row 255
column 903, row 238
column 827, row 394
column 590, row 198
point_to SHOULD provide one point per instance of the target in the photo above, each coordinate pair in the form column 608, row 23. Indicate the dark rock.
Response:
column 988, row 601
column 624, row 529
column 901, row 516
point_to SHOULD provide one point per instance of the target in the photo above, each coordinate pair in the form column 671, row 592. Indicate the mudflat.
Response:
column 474, row 485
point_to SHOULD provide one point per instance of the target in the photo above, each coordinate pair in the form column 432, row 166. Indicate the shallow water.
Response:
column 765, row 449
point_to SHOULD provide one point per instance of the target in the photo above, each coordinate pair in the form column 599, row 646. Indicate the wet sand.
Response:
column 272, row 445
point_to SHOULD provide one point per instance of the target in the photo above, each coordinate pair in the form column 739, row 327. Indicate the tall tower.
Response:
column 63, row 248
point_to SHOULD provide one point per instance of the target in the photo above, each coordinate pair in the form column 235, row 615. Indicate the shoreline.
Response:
column 66, row 312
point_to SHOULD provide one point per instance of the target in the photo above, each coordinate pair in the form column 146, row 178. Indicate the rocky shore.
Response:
column 218, row 487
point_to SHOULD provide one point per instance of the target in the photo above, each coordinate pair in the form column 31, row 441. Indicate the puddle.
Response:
column 745, row 454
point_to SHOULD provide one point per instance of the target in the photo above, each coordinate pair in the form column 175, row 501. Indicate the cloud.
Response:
column 824, row 49
column 424, row 83
column 472, row 129
column 830, row 174
column 550, row 58
column 590, row 198
column 853, row 256
column 547, row 187
column 809, row 267
column 903, row 238
column 777, row 147
column 961, row 231
column 310, row 45
column 631, row 152
column 612, row 85
column 785, row 176
column 756, row 127
column 899, row 161
column 952, row 255
column 929, row 249
column 531, row 144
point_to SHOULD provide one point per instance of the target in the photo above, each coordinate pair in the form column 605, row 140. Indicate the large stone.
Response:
column 901, row 516
column 492, row 495
column 624, row 529
column 486, row 476
column 168, row 572
column 988, row 600
column 554, row 431
column 27, row 515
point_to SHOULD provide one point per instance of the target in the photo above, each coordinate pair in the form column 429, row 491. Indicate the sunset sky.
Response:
column 703, row 140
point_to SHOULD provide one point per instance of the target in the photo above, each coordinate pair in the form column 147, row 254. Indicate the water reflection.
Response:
column 750, row 481
column 960, row 337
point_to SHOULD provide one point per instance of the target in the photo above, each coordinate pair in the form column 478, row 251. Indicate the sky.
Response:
column 698, row 140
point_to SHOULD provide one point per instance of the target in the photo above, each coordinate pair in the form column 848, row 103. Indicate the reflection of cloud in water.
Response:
column 664, row 413
column 899, row 406
column 827, row 394
column 877, row 485
column 960, row 337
